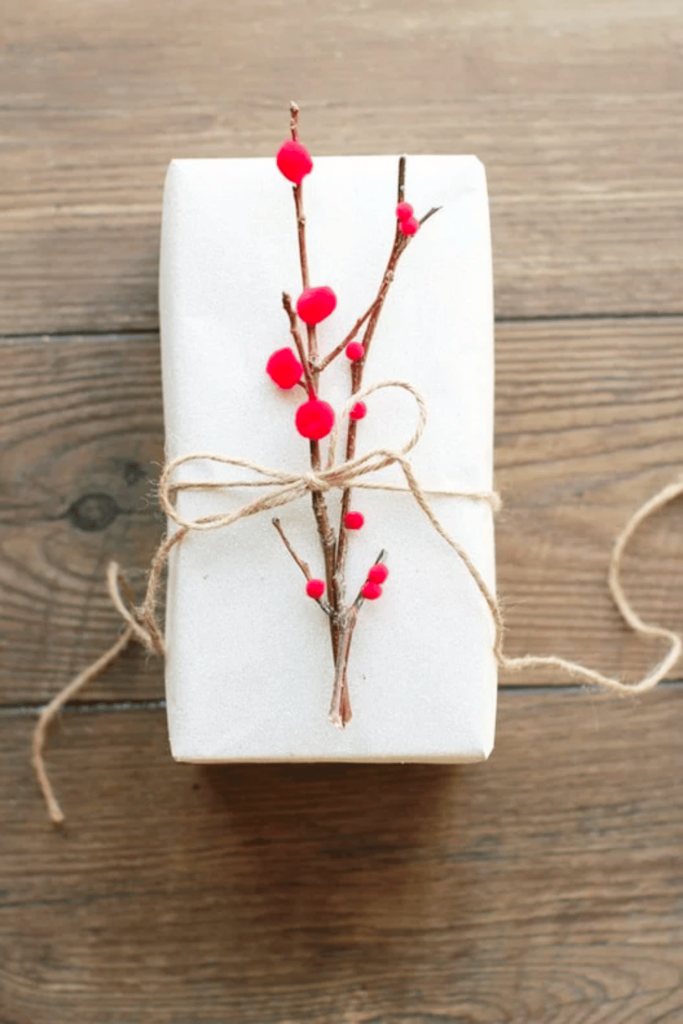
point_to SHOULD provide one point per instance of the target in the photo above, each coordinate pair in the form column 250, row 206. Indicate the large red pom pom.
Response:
column 378, row 573
column 315, row 589
column 315, row 304
column 294, row 161
column 284, row 368
column 314, row 419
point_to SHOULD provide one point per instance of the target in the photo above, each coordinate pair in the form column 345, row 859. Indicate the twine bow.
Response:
column 285, row 487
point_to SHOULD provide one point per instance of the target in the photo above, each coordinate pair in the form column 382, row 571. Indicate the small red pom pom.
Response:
column 354, row 520
column 315, row 304
column 294, row 161
column 410, row 226
column 358, row 411
column 314, row 419
column 354, row 350
column 284, row 368
column 403, row 211
column 315, row 589
column 378, row 573
column 371, row 591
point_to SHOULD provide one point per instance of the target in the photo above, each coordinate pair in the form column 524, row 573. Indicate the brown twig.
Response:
column 304, row 566
column 430, row 213
column 337, row 351
column 328, row 540
column 340, row 707
column 399, row 246
column 298, row 340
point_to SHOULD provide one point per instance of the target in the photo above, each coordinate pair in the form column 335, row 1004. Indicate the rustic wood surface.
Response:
column 544, row 886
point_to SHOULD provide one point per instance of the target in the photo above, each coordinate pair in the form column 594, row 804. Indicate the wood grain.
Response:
column 589, row 424
column 542, row 887
column 576, row 112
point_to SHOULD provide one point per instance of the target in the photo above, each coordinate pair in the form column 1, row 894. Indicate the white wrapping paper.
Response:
column 249, row 669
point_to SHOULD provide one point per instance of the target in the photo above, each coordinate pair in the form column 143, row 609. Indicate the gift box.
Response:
column 249, row 666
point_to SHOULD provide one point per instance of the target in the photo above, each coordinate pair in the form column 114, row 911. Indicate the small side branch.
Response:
column 298, row 340
column 349, row 337
column 401, row 192
column 430, row 213
column 304, row 566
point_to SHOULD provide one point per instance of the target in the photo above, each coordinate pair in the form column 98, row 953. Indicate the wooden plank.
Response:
column 589, row 424
column 576, row 112
column 81, row 443
column 544, row 886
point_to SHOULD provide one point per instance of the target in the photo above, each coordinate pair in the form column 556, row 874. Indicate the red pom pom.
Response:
column 354, row 350
column 314, row 419
column 371, row 591
column 315, row 589
column 403, row 211
column 354, row 520
column 410, row 226
column 315, row 304
column 378, row 573
column 358, row 411
column 284, row 368
column 294, row 161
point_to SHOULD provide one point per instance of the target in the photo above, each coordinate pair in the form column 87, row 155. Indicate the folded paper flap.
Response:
column 249, row 665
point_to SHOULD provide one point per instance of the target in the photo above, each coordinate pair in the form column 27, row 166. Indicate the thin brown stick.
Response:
column 401, row 190
column 429, row 213
column 328, row 540
column 382, row 557
column 399, row 246
column 294, row 120
column 337, row 351
column 340, row 706
column 358, row 366
column 298, row 340
column 304, row 566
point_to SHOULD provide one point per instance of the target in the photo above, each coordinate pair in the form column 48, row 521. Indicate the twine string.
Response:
column 285, row 487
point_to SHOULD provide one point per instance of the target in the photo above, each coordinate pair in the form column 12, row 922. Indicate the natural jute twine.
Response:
column 284, row 487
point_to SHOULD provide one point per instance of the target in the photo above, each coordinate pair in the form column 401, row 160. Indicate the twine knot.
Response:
column 316, row 482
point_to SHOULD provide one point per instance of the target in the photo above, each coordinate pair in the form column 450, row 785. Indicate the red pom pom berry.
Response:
column 315, row 589
column 315, row 304
column 294, row 161
column 354, row 350
column 410, row 226
column 314, row 419
column 378, row 573
column 284, row 368
column 354, row 520
column 358, row 411
column 403, row 211
column 371, row 591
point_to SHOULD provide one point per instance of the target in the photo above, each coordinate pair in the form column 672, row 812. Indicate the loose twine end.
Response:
column 141, row 622
column 135, row 629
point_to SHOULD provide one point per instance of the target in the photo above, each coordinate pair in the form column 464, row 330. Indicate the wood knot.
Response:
column 93, row 512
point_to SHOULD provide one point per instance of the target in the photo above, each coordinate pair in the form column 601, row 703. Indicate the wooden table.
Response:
column 544, row 886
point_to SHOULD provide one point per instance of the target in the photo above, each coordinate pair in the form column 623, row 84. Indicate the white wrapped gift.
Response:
column 249, row 666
